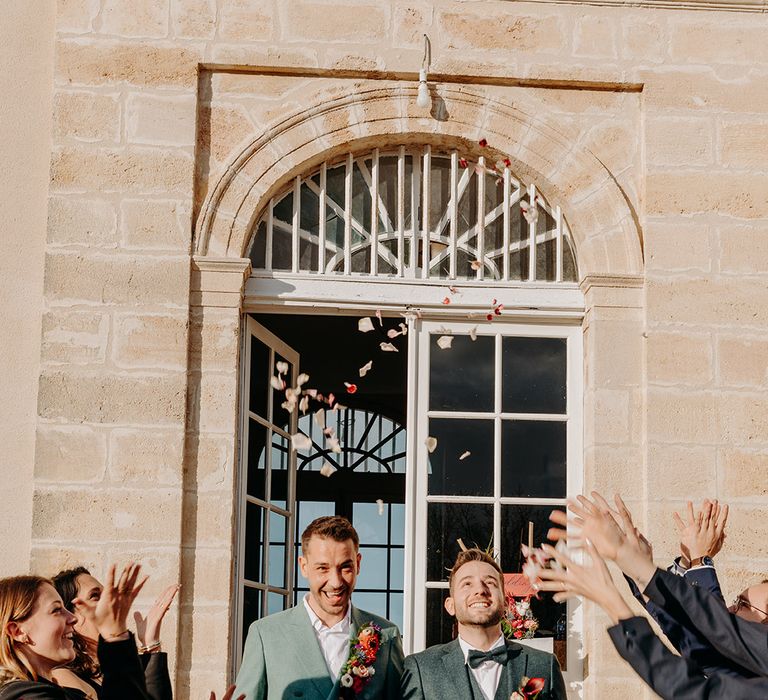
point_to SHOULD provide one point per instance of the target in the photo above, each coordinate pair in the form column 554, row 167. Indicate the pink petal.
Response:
column 366, row 368
column 388, row 347
column 476, row 264
column 311, row 392
column 277, row 383
column 281, row 367
column 431, row 443
column 447, row 300
column 365, row 324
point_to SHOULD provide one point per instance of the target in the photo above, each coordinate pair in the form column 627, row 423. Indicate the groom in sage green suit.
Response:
column 302, row 652
column 480, row 664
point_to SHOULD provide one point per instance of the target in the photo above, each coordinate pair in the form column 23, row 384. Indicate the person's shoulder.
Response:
column 388, row 628
column 278, row 619
column 432, row 653
column 33, row 690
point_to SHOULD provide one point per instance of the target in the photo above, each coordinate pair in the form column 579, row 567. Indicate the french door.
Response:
column 492, row 442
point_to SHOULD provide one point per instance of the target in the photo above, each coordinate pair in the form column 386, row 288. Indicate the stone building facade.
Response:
column 174, row 123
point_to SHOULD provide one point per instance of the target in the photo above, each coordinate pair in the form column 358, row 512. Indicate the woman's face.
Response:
column 89, row 592
column 46, row 635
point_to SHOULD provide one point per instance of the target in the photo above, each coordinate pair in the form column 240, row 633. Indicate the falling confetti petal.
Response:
column 444, row 342
column 327, row 469
column 364, row 325
column 453, row 290
column 365, row 368
column 304, row 404
column 531, row 213
column 447, row 300
column 277, row 383
column 331, row 399
column 498, row 309
column 476, row 264
column 332, row 444
column 380, row 504
column 320, row 418
column 463, row 162
column 281, row 367
column 328, row 432
column 489, row 317
column 388, row 347
column 473, row 333
column 431, row 443
column 351, row 388
column 393, row 333
column 299, row 441
column 483, row 143
column 303, row 379
column 378, row 315
column 464, row 455
column 508, row 162
column 311, row 392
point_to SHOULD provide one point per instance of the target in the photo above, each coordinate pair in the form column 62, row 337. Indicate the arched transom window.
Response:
column 414, row 214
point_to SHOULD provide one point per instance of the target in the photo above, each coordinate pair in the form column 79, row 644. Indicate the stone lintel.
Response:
column 218, row 282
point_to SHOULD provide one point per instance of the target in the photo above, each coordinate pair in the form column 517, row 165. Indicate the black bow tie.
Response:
column 498, row 654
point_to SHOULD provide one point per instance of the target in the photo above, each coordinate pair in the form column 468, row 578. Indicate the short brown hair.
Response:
column 332, row 527
column 474, row 554
column 18, row 595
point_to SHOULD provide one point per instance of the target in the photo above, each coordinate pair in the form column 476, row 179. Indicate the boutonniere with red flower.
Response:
column 529, row 689
column 357, row 672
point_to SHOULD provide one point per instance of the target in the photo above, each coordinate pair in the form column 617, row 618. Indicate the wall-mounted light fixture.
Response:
column 423, row 98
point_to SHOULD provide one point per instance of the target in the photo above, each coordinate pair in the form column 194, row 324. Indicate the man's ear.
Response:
column 450, row 608
column 359, row 559
column 303, row 565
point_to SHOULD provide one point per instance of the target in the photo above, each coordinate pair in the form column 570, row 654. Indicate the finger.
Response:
column 133, row 574
column 556, row 534
column 138, row 619
column 587, row 505
column 723, row 517
column 559, row 556
column 110, row 582
column 137, row 589
column 691, row 515
column 679, row 522
column 559, row 517
column 602, row 503
column 563, row 596
column 623, row 510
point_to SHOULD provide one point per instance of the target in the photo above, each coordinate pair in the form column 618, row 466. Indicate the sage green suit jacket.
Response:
column 440, row 672
column 283, row 660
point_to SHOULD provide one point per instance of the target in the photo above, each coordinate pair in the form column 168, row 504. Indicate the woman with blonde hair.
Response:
column 36, row 637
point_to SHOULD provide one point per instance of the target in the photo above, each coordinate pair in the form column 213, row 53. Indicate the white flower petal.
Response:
column 319, row 418
column 464, row 455
column 364, row 325
column 380, row 504
column 332, row 443
column 388, row 347
column 393, row 333
column 327, row 469
column 299, row 441
column 444, row 342
column 378, row 315
column 431, row 443
column 303, row 379
column 473, row 333
column 277, row 383
column 304, row 404
column 366, row 368
column 281, row 367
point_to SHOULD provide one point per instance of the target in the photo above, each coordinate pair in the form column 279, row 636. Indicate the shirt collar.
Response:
column 466, row 647
column 319, row 625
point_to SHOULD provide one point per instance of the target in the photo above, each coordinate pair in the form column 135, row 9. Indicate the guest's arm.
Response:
column 252, row 677
column 411, row 685
column 394, row 666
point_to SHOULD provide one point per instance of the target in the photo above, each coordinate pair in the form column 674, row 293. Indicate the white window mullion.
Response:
column 425, row 193
column 506, row 224
column 454, row 209
column 497, row 426
column 321, row 219
column 270, row 229
column 375, row 212
column 481, row 216
column 532, row 234
column 401, row 211
column 348, row 215
column 559, row 245
column 295, row 223
column 415, row 198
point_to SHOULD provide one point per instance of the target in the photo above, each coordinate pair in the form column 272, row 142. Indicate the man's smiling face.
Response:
column 477, row 595
column 331, row 568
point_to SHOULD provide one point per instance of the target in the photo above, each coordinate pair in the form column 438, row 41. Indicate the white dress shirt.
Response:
column 333, row 641
column 488, row 673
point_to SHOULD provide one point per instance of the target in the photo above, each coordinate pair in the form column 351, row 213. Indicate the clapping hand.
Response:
column 228, row 695
column 148, row 628
column 704, row 533
column 116, row 599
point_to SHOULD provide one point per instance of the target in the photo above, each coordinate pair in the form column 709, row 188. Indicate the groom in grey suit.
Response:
column 480, row 663
column 300, row 652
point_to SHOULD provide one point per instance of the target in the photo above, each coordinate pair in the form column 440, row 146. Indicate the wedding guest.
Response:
column 597, row 525
column 315, row 649
column 36, row 633
column 81, row 593
column 480, row 663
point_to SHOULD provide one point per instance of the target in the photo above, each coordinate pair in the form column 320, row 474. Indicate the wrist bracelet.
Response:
column 155, row 646
column 115, row 636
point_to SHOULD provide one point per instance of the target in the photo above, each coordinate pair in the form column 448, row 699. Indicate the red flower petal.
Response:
column 507, row 162
column 534, row 685
column 463, row 162
column 489, row 317
column 446, row 300
column 351, row 388
column 483, row 143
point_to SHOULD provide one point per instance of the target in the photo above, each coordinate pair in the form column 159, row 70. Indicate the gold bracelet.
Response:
column 119, row 634
column 155, row 646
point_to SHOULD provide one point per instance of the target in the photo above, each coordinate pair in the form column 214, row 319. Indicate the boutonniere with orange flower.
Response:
column 529, row 689
column 358, row 670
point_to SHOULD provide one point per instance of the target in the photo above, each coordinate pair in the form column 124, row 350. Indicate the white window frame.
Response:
column 417, row 500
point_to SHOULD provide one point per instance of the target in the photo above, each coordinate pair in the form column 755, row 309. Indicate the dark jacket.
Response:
column 123, row 678
column 440, row 672
column 673, row 677
column 683, row 636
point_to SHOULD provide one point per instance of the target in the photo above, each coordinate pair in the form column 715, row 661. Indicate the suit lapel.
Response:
column 354, row 625
column 513, row 672
column 307, row 652
column 456, row 668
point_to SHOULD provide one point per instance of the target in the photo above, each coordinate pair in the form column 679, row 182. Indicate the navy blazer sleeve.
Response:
column 123, row 674
column 671, row 676
column 744, row 642
column 705, row 577
column 156, row 675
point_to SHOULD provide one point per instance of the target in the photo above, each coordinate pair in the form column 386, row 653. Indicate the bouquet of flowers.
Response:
column 519, row 622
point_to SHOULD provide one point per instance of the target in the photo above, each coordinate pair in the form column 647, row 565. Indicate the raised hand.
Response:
column 116, row 599
column 704, row 532
column 592, row 581
column 148, row 628
column 228, row 694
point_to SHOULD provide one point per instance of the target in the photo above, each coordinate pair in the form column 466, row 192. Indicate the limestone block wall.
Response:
column 647, row 122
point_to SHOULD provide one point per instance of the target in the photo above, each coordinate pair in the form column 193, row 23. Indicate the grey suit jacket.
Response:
column 440, row 672
column 283, row 660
